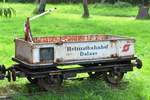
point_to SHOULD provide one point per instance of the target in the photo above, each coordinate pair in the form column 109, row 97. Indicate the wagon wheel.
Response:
column 113, row 78
column 13, row 74
column 54, row 80
column 8, row 76
column 32, row 80
column 50, row 81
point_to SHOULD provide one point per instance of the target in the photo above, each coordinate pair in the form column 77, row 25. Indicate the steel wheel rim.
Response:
column 114, row 78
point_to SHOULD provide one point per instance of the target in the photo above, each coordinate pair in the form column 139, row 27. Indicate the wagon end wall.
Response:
column 23, row 50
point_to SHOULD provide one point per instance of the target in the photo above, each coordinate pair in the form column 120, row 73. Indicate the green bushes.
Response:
column 122, row 4
column 7, row 12
column 21, row 1
column 79, row 1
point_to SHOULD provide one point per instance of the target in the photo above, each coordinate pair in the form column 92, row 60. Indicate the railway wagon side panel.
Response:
column 94, row 50
column 73, row 51
column 85, row 51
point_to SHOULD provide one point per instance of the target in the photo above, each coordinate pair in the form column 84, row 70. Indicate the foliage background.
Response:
column 79, row 1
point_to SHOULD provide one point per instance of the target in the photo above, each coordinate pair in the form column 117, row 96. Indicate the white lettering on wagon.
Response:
column 87, row 50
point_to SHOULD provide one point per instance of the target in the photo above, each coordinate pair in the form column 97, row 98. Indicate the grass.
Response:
column 67, row 20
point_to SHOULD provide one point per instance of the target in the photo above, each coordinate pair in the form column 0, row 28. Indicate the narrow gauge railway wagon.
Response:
column 98, row 55
column 103, row 56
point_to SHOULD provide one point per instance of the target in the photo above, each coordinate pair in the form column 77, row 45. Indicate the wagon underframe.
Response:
column 37, row 70
column 100, row 67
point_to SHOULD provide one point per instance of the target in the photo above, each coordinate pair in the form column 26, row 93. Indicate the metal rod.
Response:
column 42, row 14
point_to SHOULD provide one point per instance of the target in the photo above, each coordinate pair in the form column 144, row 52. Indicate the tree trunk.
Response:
column 41, row 7
column 86, row 10
column 143, row 12
column 103, row 1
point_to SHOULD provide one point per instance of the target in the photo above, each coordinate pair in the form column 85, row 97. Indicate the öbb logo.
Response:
column 126, row 48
